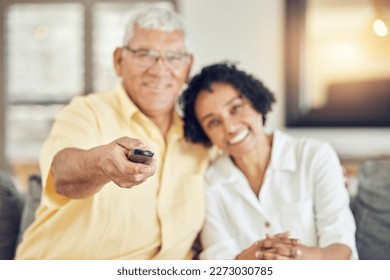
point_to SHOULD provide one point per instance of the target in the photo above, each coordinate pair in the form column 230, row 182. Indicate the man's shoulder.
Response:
column 97, row 102
column 95, row 98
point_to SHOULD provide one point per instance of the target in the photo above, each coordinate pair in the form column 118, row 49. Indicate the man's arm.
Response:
column 81, row 173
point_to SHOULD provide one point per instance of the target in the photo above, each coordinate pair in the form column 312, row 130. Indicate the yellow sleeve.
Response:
column 75, row 126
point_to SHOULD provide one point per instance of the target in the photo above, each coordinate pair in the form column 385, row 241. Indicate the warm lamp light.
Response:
column 380, row 28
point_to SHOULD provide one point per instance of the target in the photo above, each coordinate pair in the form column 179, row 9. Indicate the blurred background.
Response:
column 327, row 61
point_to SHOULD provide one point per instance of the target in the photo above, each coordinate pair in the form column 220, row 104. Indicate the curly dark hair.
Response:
column 249, row 87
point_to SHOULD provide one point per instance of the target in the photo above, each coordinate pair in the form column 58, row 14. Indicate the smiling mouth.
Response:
column 156, row 85
column 239, row 137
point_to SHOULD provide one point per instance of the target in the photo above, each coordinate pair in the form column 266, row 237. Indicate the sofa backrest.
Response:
column 371, row 209
column 31, row 203
column 11, row 207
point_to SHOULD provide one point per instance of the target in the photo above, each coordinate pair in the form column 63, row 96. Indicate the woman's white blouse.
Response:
column 303, row 192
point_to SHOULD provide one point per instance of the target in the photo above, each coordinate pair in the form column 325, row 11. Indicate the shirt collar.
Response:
column 283, row 155
column 127, row 106
column 222, row 169
column 176, row 130
column 283, row 158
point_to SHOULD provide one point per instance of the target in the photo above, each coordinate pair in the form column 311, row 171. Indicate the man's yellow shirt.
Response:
column 158, row 219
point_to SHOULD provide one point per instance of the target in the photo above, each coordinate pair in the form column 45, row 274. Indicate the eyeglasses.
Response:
column 147, row 58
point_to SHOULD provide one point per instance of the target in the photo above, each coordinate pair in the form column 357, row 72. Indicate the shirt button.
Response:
column 267, row 224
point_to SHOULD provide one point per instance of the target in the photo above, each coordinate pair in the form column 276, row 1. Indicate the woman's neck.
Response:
column 255, row 163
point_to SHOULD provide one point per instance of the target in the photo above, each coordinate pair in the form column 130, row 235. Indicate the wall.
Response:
column 251, row 32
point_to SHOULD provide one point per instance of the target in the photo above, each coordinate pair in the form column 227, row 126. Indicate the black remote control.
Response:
column 140, row 156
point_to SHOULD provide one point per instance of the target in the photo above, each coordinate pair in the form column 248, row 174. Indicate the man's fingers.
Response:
column 132, row 180
column 140, row 168
column 130, row 185
column 130, row 143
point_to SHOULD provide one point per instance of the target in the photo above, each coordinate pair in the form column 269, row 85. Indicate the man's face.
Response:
column 153, row 88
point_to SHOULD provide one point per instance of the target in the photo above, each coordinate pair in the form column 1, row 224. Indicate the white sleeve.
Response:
column 217, row 241
column 334, row 220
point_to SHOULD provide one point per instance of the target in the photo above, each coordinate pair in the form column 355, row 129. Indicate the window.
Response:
column 54, row 51
column 337, row 64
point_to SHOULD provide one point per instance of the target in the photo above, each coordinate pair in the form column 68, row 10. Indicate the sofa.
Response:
column 17, row 212
column 11, row 207
column 370, row 206
column 371, row 209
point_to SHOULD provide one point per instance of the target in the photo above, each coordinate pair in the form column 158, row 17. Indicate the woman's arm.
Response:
column 334, row 223
column 302, row 252
column 331, row 252
column 334, row 220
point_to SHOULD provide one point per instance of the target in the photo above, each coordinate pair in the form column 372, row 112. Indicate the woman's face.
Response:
column 229, row 121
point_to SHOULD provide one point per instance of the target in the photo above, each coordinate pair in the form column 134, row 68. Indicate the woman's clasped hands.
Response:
column 273, row 247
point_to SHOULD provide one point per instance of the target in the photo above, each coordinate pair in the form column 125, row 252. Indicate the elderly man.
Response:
column 96, row 203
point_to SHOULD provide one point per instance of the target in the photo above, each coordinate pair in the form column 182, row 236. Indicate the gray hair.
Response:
column 161, row 19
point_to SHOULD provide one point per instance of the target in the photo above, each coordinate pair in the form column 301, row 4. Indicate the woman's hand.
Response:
column 282, row 247
column 273, row 247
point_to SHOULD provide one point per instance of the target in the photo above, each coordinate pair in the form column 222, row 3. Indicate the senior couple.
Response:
column 266, row 196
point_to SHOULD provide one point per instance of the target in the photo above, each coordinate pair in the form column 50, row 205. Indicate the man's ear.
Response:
column 189, row 66
column 117, row 61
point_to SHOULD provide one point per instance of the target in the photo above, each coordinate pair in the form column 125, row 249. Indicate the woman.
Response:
column 266, row 191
